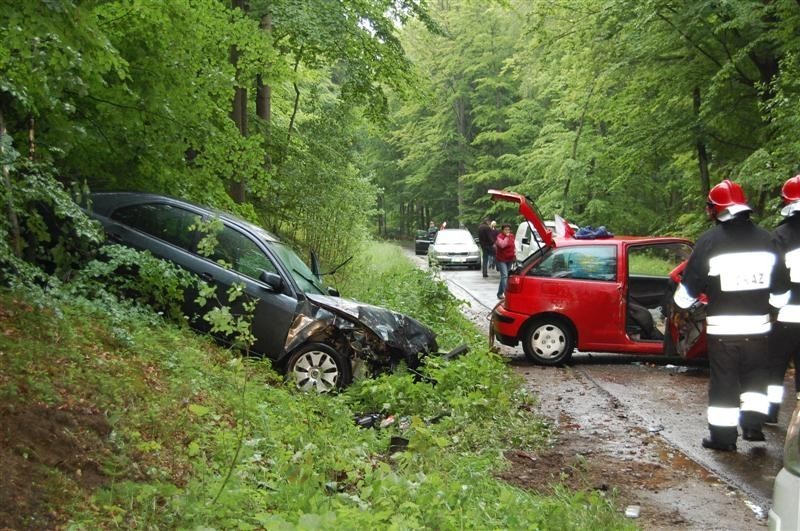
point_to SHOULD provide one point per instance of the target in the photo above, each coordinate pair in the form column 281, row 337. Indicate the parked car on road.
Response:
column 784, row 515
column 422, row 240
column 319, row 339
column 609, row 295
column 454, row 247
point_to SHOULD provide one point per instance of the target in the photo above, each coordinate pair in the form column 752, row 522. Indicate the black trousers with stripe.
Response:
column 739, row 364
column 784, row 346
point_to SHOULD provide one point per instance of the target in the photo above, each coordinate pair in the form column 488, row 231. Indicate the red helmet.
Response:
column 727, row 199
column 791, row 190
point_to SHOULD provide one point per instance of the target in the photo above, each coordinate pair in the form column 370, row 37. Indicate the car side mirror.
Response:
column 273, row 280
column 333, row 292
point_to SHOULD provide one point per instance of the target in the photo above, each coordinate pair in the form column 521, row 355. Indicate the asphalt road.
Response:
column 666, row 396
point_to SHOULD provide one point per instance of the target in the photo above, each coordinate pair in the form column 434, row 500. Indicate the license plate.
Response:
column 459, row 259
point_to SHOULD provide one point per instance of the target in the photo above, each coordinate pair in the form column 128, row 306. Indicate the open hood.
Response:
column 528, row 211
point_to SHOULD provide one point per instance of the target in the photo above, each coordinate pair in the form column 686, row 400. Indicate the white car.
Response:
column 454, row 247
column 785, row 511
column 528, row 240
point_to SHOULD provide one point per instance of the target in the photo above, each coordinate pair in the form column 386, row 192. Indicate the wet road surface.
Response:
column 663, row 396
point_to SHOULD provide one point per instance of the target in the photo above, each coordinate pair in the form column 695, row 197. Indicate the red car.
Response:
column 609, row 294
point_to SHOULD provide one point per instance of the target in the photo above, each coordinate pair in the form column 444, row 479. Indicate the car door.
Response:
column 240, row 258
column 166, row 230
column 650, row 284
column 580, row 282
column 163, row 229
column 523, row 240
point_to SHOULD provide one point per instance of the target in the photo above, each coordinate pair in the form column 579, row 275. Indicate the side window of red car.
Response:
column 163, row 221
column 592, row 262
column 598, row 262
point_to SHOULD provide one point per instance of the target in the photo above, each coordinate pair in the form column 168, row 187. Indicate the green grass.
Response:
column 201, row 438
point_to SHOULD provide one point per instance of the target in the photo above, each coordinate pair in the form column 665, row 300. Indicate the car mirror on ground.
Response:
column 273, row 280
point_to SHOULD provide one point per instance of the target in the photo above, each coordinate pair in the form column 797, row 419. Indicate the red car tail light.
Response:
column 514, row 284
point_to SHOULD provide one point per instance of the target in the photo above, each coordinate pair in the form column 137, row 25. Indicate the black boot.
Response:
column 772, row 416
column 709, row 442
column 752, row 434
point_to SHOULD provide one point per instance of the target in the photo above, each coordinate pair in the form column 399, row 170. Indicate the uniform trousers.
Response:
column 737, row 386
column 784, row 346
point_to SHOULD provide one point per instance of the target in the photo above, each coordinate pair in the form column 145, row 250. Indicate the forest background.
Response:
column 325, row 121
column 330, row 122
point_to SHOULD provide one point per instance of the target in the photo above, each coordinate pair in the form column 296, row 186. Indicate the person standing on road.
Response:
column 495, row 232
column 505, row 254
column 785, row 337
column 486, row 241
column 432, row 230
column 735, row 265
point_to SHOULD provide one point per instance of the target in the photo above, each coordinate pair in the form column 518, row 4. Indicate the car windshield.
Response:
column 453, row 236
column 300, row 272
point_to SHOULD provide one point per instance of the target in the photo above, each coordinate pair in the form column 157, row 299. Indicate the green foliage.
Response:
column 606, row 113
column 393, row 284
column 199, row 439
column 54, row 233
column 137, row 276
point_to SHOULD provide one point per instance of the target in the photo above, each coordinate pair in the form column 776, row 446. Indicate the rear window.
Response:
column 163, row 221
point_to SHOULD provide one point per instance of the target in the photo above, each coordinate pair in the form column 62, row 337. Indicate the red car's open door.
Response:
column 528, row 211
column 686, row 329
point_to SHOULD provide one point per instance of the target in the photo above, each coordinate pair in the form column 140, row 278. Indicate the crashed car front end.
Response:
column 376, row 339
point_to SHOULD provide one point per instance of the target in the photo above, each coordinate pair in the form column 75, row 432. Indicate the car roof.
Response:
column 616, row 240
column 105, row 202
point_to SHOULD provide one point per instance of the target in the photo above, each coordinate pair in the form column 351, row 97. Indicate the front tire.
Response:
column 318, row 367
column 548, row 341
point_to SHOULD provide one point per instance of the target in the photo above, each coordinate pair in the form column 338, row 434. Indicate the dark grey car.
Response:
column 316, row 337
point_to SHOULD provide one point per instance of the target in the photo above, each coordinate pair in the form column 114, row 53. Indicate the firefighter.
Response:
column 785, row 338
column 734, row 264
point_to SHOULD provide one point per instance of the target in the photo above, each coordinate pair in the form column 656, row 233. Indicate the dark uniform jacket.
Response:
column 736, row 264
column 787, row 239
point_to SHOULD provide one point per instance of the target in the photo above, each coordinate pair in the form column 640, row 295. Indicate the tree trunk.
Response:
column 296, row 104
column 264, row 100
column 238, row 111
column 16, row 238
column 31, row 137
column 575, row 143
column 461, row 124
column 702, row 154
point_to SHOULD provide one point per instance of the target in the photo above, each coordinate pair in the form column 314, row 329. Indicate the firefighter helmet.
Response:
column 791, row 196
column 727, row 199
column 791, row 190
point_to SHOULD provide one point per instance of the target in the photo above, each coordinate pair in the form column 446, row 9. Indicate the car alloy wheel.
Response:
column 317, row 367
column 548, row 341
